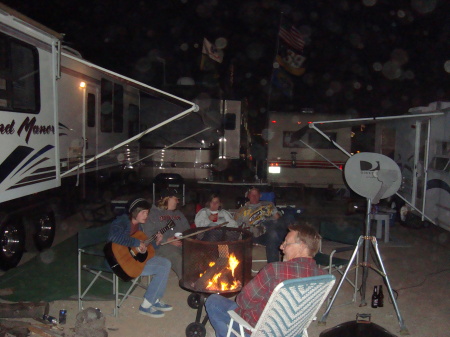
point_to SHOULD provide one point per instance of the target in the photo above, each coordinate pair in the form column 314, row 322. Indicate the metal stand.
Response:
column 366, row 265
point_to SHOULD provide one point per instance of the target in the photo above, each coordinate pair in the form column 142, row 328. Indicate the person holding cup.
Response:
column 213, row 214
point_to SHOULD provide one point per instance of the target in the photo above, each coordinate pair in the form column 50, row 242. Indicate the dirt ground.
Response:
column 417, row 265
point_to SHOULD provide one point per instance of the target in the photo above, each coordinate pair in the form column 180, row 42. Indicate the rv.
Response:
column 419, row 142
column 421, row 148
column 191, row 147
column 62, row 121
column 309, row 160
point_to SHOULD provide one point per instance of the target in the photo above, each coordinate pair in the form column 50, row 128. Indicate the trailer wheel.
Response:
column 45, row 228
column 12, row 244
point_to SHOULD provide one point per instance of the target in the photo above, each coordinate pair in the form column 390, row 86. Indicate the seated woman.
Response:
column 158, row 218
column 213, row 214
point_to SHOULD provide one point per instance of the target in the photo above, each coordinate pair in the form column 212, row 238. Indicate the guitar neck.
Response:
column 168, row 226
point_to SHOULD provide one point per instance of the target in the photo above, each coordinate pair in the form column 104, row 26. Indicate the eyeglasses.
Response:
column 284, row 244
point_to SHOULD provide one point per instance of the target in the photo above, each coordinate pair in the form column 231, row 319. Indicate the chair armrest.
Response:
column 343, row 249
column 240, row 320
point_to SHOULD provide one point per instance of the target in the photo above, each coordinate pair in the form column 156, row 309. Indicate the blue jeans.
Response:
column 217, row 308
column 276, row 231
column 159, row 267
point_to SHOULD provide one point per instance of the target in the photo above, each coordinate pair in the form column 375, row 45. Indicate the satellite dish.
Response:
column 372, row 175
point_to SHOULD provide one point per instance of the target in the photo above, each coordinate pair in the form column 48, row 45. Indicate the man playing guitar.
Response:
column 124, row 231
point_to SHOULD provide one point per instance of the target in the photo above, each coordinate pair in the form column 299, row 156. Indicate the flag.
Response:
column 211, row 50
column 290, row 49
column 292, row 37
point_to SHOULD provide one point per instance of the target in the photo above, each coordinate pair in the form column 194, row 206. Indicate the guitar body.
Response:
column 127, row 262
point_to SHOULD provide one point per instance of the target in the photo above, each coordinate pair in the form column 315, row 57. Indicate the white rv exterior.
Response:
column 191, row 146
column 311, row 161
column 421, row 148
column 60, row 116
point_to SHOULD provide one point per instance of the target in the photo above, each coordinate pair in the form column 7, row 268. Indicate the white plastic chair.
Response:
column 290, row 310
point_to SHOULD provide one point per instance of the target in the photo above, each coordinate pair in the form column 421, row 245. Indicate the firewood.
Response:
column 219, row 267
column 23, row 309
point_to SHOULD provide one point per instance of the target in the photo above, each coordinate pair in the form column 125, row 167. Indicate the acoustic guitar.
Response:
column 127, row 262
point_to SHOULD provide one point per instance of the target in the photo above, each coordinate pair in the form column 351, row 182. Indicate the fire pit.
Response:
column 217, row 261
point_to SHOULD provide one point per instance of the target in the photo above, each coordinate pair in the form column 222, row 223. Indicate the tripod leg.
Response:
column 403, row 329
column 323, row 320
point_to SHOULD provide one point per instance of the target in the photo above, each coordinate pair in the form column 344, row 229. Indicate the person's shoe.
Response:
column 152, row 312
column 160, row 305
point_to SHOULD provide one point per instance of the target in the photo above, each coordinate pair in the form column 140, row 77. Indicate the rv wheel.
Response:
column 44, row 230
column 12, row 244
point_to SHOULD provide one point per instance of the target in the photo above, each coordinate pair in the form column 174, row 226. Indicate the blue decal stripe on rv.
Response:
column 35, row 178
column 32, row 182
column 61, row 125
column 39, row 153
column 14, row 159
column 438, row 183
column 40, row 161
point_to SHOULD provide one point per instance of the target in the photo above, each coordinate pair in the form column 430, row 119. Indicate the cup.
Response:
column 178, row 235
column 215, row 215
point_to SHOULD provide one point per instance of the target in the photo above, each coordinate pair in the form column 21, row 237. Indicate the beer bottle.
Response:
column 380, row 297
column 375, row 298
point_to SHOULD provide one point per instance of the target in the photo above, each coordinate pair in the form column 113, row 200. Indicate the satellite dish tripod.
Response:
column 389, row 179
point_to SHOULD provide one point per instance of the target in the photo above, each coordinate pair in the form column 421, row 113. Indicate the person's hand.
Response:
column 177, row 243
column 213, row 217
column 159, row 238
column 142, row 248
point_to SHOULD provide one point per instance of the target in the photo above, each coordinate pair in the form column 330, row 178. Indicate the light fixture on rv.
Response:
column 274, row 169
column 82, row 85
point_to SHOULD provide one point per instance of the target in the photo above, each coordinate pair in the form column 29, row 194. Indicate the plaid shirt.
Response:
column 255, row 295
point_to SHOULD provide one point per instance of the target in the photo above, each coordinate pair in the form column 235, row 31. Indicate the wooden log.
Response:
column 13, row 328
column 219, row 267
column 24, row 309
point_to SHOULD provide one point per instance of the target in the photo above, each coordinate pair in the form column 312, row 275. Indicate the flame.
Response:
column 232, row 263
column 218, row 283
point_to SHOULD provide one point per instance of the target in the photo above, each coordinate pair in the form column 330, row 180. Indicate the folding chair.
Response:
column 92, row 260
column 290, row 310
column 340, row 233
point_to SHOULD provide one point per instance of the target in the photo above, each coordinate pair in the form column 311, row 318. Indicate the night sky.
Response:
column 363, row 57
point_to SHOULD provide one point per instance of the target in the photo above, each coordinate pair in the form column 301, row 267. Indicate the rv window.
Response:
column 118, row 108
column 106, row 118
column 313, row 139
column 90, row 110
column 133, row 120
column 229, row 121
column 440, row 163
column 19, row 76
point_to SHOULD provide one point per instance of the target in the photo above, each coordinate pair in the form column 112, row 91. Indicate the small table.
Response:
column 380, row 218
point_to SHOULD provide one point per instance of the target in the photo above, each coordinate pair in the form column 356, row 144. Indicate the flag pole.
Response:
column 274, row 60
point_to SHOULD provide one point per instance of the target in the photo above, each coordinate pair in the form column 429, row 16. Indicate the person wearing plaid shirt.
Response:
column 299, row 248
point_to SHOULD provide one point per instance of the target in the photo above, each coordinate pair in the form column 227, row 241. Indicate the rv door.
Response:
column 90, row 108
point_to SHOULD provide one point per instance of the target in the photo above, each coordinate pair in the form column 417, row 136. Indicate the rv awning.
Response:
column 189, row 106
column 345, row 123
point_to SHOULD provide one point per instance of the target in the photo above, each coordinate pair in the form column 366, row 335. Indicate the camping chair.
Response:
column 345, row 234
column 289, row 212
column 290, row 310
column 92, row 259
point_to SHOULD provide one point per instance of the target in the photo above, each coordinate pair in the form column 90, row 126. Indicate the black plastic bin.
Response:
column 357, row 328
column 168, row 180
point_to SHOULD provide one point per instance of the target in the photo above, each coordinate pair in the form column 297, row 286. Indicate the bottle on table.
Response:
column 375, row 298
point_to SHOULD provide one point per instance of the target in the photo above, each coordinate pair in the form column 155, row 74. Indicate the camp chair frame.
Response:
column 90, row 243
column 330, row 262
column 291, row 308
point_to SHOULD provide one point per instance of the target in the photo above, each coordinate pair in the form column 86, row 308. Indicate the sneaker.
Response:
column 152, row 312
column 160, row 305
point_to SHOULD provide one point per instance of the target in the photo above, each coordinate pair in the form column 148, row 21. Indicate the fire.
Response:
column 220, row 281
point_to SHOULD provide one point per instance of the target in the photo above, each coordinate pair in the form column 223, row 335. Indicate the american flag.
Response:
column 292, row 37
